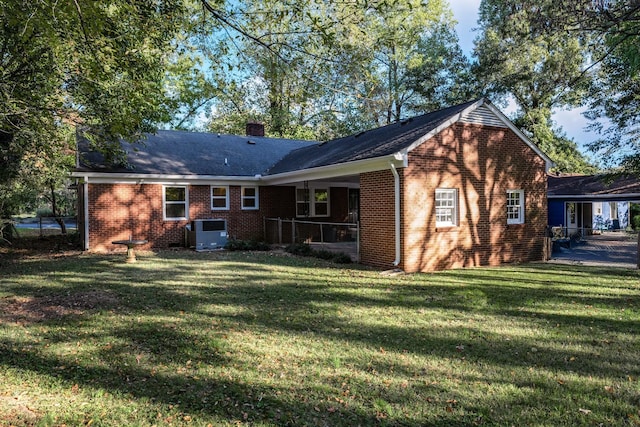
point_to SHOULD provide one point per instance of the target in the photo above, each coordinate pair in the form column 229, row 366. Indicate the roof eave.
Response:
column 337, row 170
column 139, row 178
column 620, row 196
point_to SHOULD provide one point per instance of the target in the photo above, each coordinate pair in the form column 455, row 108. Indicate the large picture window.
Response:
column 219, row 198
column 446, row 207
column 515, row 207
column 174, row 200
column 249, row 198
column 312, row 202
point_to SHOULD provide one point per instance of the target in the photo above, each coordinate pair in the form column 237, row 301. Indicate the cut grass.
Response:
column 264, row 339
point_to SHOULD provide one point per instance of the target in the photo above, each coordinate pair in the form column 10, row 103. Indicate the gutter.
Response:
column 396, row 182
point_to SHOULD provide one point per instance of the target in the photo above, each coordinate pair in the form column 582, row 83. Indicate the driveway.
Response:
column 612, row 249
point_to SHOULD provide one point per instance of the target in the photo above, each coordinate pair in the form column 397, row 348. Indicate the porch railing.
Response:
column 281, row 231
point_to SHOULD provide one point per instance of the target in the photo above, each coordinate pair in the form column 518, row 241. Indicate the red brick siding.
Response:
column 377, row 219
column 118, row 211
column 482, row 163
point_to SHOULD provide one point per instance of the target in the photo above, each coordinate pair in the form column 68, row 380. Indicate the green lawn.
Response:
column 268, row 339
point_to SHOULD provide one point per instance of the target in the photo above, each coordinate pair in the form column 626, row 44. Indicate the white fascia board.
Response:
column 139, row 178
column 337, row 170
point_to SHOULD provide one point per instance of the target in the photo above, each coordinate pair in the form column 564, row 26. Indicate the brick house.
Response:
column 453, row 188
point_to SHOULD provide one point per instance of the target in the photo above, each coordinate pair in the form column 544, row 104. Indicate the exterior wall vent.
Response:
column 207, row 234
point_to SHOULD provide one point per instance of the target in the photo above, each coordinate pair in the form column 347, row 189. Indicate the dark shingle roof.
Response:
column 378, row 142
column 591, row 185
column 172, row 152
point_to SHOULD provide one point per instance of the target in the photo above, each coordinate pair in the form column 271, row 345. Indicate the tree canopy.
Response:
column 319, row 70
column 81, row 62
column 520, row 56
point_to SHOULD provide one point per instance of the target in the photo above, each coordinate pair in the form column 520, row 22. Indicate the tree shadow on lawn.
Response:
column 225, row 399
column 301, row 305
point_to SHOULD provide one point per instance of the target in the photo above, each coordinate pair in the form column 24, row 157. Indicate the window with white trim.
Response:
column 515, row 206
column 250, row 198
column 312, row 202
column 446, row 207
column 175, row 202
column 219, row 198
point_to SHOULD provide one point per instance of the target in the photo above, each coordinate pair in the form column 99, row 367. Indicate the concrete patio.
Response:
column 610, row 249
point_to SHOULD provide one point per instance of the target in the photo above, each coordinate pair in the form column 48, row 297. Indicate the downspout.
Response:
column 396, row 179
column 85, row 202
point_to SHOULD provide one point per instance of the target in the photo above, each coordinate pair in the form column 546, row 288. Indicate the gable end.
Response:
column 482, row 116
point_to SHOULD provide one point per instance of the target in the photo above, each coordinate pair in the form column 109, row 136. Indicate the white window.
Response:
column 219, row 198
column 302, row 202
column 515, row 206
column 175, row 202
column 250, row 198
column 446, row 207
column 312, row 202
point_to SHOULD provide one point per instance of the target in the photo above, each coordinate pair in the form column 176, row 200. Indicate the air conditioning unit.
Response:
column 207, row 234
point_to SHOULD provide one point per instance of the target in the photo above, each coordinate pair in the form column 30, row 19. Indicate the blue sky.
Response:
column 571, row 121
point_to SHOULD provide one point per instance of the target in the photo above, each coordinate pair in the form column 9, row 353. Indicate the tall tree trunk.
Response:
column 54, row 208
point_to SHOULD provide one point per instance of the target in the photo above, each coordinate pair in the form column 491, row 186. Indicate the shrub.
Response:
column 636, row 222
column 341, row 258
column 246, row 245
column 303, row 249
column 323, row 254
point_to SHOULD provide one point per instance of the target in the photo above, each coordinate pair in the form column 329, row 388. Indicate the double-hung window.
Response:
column 320, row 202
column 446, row 207
column 312, row 202
column 219, row 198
column 303, row 207
column 175, row 202
column 250, row 198
column 515, row 206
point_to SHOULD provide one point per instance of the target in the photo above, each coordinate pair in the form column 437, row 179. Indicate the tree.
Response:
column 615, row 98
column 411, row 61
column 521, row 56
column 320, row 70
column 99, row 64
column 442, row 76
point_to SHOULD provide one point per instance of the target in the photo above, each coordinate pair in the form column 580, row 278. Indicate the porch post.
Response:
column 293, row 231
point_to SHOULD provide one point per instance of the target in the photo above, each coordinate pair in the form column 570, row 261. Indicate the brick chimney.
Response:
column 255, row 129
